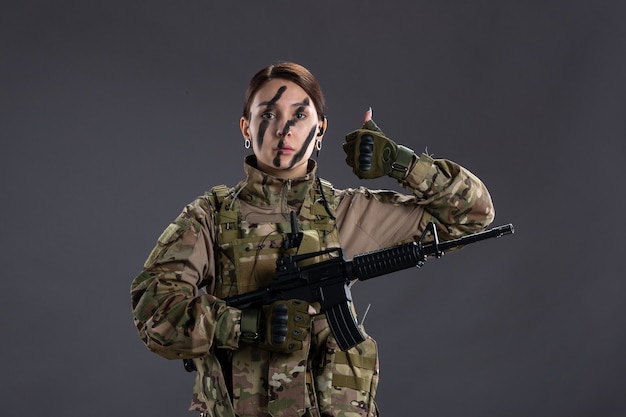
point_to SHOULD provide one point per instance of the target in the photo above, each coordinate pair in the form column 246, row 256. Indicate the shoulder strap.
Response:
column 216, row 196
column 226, row 217
column 323, row 208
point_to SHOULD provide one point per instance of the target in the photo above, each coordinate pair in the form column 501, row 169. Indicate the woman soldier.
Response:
column 281, row 359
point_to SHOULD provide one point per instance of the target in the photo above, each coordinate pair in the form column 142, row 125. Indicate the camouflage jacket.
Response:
column 177, row 302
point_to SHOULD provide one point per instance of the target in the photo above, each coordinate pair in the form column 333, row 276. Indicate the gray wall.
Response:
column 115, row 114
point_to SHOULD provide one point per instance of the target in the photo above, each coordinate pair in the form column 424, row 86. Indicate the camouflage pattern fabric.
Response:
column 211, row 252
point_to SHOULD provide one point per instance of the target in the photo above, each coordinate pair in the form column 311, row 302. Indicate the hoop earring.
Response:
column 246, row 143
column 318, row 147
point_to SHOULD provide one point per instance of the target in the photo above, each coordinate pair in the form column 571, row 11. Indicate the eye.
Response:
column 300, row 116
column 268, row 115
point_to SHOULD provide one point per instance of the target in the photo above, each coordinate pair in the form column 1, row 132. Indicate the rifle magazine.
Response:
column 343, row 326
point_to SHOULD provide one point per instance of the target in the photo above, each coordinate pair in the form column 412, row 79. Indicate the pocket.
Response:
column 245, row 264
column 169, row 235
column 255, row 264
column 353, row 380
column 210, row 394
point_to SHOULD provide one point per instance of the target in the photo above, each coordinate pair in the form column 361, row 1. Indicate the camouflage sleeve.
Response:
column 173, row 316
column 452, row 197
column 441, row 191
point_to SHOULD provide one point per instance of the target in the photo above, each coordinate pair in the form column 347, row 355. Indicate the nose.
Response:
column 285, row 130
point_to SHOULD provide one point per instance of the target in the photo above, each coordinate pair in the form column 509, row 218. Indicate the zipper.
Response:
column 283, row 198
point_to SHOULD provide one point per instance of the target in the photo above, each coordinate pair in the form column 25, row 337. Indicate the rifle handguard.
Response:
column 388, row 260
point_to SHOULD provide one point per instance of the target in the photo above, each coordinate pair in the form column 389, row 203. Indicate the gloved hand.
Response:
column 371, row 154
column 279, row 327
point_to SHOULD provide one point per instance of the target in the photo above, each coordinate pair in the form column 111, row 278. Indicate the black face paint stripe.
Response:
column 288, row 125
column 292, row 122
column 276, row 160
column 277, row 96
column 262, row 128
column 300, row 154
column 268, row 105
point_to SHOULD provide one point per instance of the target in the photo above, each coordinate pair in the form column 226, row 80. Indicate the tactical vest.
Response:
column 246, row 259
column 328, row 382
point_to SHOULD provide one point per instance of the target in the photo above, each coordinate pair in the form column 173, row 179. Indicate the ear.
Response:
column 322, row 128
column 244, row 125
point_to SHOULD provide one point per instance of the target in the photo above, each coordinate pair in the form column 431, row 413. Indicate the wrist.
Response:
column 250, row 324
column 404, row 160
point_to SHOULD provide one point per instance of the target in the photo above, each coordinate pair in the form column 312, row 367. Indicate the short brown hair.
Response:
column 289, row 71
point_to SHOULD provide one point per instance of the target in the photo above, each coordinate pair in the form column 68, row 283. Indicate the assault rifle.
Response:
column 328, row 282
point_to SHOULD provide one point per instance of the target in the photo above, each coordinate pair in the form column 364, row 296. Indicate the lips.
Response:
column 286, row 149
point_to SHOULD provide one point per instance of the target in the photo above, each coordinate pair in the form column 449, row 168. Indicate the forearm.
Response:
column 452, row 197
column 175, row 322
column 172, row 314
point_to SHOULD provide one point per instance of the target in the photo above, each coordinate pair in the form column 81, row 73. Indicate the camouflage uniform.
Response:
column 228, row 246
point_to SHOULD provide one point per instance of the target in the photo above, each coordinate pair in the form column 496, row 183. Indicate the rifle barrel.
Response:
column 396, row 258
column 495, row 232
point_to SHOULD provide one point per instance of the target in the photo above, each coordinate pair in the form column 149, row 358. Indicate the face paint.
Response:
column 262, row 128
column 268, row 106
column 300, row 154
column 276, row 160
column 288, row 125
column 294, row 120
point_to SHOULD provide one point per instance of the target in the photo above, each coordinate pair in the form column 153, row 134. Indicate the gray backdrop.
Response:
column 116, row 114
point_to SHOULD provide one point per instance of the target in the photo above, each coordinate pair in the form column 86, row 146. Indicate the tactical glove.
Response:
column 371, row 154
column 279, row 327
